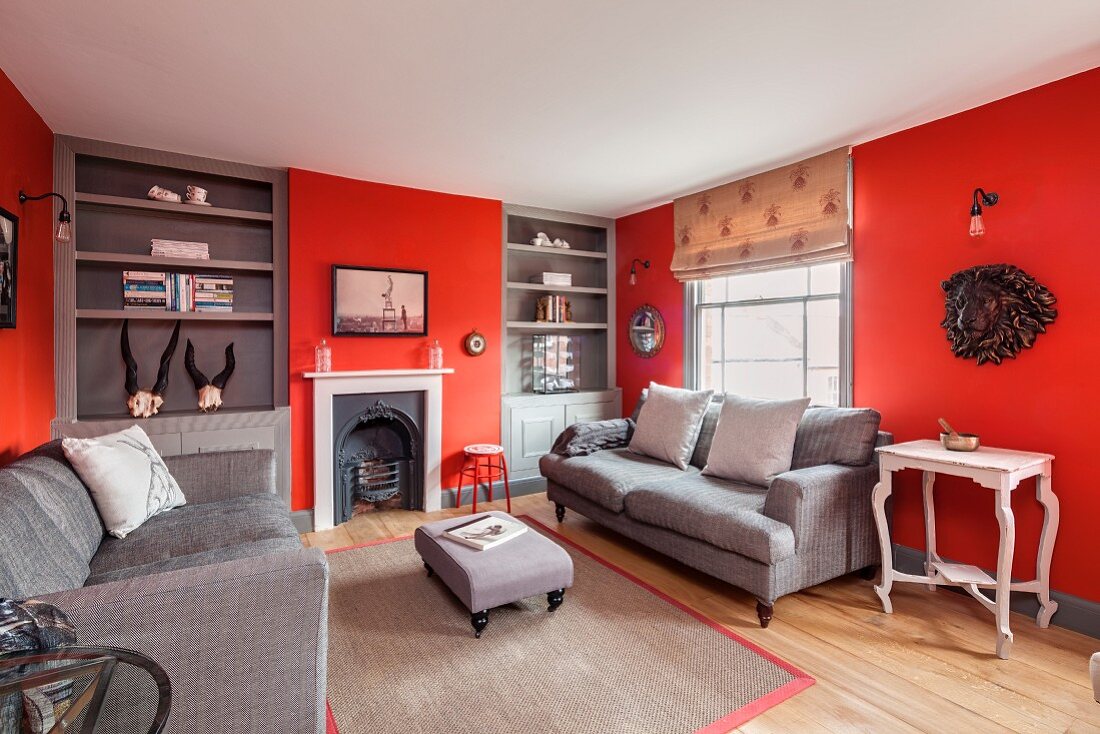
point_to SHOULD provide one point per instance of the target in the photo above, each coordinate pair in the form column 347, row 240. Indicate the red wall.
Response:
column 647, row 235
column 337, row 220
column 1039, row 150
column 26, row 161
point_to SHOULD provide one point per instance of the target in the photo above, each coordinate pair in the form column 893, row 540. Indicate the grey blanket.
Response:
column 582, row 439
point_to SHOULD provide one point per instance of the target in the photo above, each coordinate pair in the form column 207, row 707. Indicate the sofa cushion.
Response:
column 669, row 423
column 198, row 535
column 754, row 440
column 836, row 436
column 51, row 528
column 606, row 477
column 726, row 515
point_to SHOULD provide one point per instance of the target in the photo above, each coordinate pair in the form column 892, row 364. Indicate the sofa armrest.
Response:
column 222, row 475
column 244, row 642
column 820, row 503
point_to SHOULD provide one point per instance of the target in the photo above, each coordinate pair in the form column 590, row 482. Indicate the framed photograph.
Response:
column 9, row 238
column 379, row 301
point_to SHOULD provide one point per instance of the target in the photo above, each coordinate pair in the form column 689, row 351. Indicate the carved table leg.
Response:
column 929, row 482
column 1046, row 497
column 479, row 620
column 1007, row 524
column 878, row 503
column 430, row 571
column 764, row 612
column 559, row 510
column 554, row 599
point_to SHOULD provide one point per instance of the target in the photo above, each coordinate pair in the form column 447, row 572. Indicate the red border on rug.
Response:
column 734, row 719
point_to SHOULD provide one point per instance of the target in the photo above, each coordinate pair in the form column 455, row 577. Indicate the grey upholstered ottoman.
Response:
column 483, row 579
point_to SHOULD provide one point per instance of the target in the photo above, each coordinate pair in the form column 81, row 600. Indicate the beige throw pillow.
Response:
column 669, row 423
column 126, row 476
column 754, row 440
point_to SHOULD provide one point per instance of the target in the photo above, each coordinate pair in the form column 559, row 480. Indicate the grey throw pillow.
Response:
column 669, row 422
column 836, row 436
column 754, row 440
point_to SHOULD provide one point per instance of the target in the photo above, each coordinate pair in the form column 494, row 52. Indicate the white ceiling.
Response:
column 587, row 105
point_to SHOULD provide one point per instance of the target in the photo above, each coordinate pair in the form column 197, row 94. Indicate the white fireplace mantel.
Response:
column 327, row 385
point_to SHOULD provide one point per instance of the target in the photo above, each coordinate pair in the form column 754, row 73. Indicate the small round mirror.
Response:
column 647, row 331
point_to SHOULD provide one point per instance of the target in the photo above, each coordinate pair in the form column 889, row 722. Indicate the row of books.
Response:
column 553, row 309
column 152, row 291
column 177, row 248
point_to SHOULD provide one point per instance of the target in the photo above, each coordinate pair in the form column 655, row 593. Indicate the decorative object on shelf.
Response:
column 322, row 357
column 995, row 311
column 634, row 269
column 158, row 193
column 64, row 232
column 555, row 363
column 210, row 391
column 379, row 301
column 146, row 403
column 977, row 226
column 435, row 355
column 560, row 243
column 9, row 239
column 647, row 331
column 475, row 343
column 543, row 240
column 952, row 440
column 197, row 195
column 553, row 310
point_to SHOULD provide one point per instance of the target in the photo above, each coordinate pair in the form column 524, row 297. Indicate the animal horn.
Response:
column 197, row 377
column 128, row 358
column 230, row 363
column 165, row 362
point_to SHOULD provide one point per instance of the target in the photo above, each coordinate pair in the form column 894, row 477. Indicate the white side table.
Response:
column 998, row 469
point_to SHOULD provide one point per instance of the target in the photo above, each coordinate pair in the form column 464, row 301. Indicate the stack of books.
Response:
column 486, row 532
column 559, row 279
column 144, row 291
column 213, row 293
column 175, row 248
column 554, row 309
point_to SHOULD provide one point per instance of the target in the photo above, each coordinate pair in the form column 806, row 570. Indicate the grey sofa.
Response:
column 220, row 592
column 810, row 525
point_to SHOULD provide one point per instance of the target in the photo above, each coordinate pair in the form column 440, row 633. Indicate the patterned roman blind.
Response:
column 792, row 215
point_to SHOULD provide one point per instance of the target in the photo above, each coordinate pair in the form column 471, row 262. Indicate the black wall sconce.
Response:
column 977, row 226
column 634, row 269
column 64, row 233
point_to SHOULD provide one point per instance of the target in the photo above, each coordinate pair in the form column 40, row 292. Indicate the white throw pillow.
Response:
column 754, row 440
column 669, row 423
column 126, row 476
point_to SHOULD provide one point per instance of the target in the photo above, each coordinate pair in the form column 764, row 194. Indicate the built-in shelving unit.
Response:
column 552, row 326
column 556, row 251
column 114, row 223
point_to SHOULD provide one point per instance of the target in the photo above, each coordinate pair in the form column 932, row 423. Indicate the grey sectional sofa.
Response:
column 810, row 525
column 220, row 592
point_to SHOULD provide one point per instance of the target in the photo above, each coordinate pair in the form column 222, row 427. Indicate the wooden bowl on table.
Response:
column 960, row 441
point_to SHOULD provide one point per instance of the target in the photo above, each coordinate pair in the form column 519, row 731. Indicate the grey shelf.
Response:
column 556, row 252
column 173, row 262
column 540, row 288
column 556, row 325
column 109, row 313
column 172, row 208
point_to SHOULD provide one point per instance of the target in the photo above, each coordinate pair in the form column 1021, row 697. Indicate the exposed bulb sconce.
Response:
column 977, row 226
column 64, row 233
column 634, row 269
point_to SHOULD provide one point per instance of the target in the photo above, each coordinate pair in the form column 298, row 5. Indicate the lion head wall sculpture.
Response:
column 995, row 311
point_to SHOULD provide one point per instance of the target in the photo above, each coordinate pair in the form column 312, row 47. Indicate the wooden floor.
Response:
column 929, row 666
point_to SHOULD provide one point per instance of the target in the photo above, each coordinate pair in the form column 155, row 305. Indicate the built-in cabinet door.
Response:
column 588, row 412
column 533, row 433
column 229, row 439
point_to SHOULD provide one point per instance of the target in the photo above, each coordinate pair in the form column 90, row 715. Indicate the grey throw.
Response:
column 582, row 439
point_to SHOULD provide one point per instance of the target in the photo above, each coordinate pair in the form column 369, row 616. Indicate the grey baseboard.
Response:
column 517, row 487
column 1074, row 613
column 303, row 520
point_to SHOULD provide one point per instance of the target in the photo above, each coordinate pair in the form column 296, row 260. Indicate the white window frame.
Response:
column 692, row 318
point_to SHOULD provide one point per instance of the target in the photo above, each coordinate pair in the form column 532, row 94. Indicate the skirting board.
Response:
column 303, row 520
column 1074, row 613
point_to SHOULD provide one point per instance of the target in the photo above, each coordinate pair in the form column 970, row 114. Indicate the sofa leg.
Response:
column 431, row 572
column 559, row 510
column 868, row 573
column 764, row 611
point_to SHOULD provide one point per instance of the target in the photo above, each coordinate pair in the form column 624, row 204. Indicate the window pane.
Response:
column 712, row 290
column 825, row 278
column 710, row 349
column 823, row 351
column 769, row 284
column 775, row 380
column 769, row 332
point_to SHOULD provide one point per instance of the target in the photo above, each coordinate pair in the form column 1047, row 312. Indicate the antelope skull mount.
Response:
column 210, row 391
column 146, row 403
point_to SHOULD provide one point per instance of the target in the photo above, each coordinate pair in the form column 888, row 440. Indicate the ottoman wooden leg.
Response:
column 430, row 571
column 555, row 598
column 479, row 620
column 559, row 510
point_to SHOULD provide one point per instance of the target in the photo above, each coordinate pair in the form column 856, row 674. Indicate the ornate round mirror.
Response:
column 647, row 331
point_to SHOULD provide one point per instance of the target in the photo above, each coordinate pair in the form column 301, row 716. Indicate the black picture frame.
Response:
column 8, row 268
column 408, row 313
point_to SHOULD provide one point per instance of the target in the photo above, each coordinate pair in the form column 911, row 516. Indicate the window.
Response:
column 774, row 334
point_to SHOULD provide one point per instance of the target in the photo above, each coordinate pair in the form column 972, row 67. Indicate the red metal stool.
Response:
column 484, row 463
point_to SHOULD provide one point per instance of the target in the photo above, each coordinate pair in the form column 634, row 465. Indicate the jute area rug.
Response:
column 618, row 656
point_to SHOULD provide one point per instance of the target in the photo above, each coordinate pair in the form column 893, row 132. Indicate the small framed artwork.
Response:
column 379, row 301
column 9, row 239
